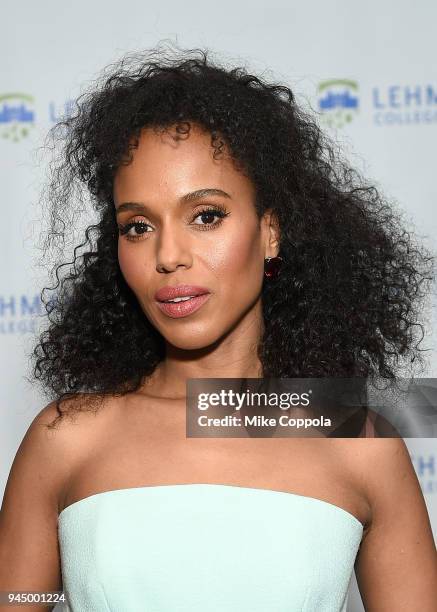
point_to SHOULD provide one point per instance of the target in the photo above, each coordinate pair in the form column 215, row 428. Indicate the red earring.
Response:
column 272, row 266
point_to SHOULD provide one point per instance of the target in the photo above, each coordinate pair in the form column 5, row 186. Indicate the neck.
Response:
column 234, row 355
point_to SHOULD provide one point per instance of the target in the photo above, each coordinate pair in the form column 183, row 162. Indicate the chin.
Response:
column 190, row 339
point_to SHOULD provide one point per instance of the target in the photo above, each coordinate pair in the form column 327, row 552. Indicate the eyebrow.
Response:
column 188, row 197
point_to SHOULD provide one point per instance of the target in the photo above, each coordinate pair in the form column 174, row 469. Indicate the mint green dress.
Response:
column 206, row 548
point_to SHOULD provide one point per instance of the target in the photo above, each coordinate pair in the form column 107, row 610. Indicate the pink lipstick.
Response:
column 182, row 300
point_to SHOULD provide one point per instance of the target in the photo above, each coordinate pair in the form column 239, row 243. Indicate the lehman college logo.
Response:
column 338, row 101
column 16, row 116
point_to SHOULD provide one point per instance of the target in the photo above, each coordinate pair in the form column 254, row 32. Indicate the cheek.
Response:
column 238, row 263
column 131, row 265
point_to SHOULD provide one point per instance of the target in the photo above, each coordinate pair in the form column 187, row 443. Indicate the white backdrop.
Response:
column 368, row 66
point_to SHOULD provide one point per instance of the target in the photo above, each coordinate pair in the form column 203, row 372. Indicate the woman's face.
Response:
column 174, row 240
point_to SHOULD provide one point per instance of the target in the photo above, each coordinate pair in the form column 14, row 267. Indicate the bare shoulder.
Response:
column 66, row 431
column 396, row 566
column 52, row 446
column 380, row 462
column 39, row 461
column 382, row 470
column 29, row 551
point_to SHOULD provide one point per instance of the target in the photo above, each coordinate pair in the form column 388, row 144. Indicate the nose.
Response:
column 172, row 250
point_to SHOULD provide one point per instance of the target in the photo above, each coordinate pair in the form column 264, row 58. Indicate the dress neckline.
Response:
column 183, row 487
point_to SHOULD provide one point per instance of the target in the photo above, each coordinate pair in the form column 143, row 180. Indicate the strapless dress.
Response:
column 206, row 548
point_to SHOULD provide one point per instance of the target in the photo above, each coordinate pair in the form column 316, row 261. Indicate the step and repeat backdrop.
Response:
column 366, row 69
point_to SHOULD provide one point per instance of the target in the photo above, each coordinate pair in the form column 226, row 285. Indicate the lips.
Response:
column 176, row 310
column 197, row 297
column 169, row 293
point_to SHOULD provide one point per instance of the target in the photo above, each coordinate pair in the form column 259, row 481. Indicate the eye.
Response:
column 207, row 215
column 140, row 228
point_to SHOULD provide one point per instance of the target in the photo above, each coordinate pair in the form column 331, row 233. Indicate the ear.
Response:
column 272, row 233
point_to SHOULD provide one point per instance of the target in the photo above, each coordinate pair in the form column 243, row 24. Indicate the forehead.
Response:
column 165, row 165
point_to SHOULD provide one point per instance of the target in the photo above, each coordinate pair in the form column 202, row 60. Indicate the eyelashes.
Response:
column 124, row 229
column 206, row 212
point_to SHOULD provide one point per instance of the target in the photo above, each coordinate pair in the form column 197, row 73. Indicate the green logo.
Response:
column 17, row 116
column 338, row 101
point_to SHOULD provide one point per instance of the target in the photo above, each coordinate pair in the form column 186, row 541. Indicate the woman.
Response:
column 203, row 177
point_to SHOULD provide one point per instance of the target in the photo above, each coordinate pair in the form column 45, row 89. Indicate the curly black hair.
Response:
column 348, row 298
